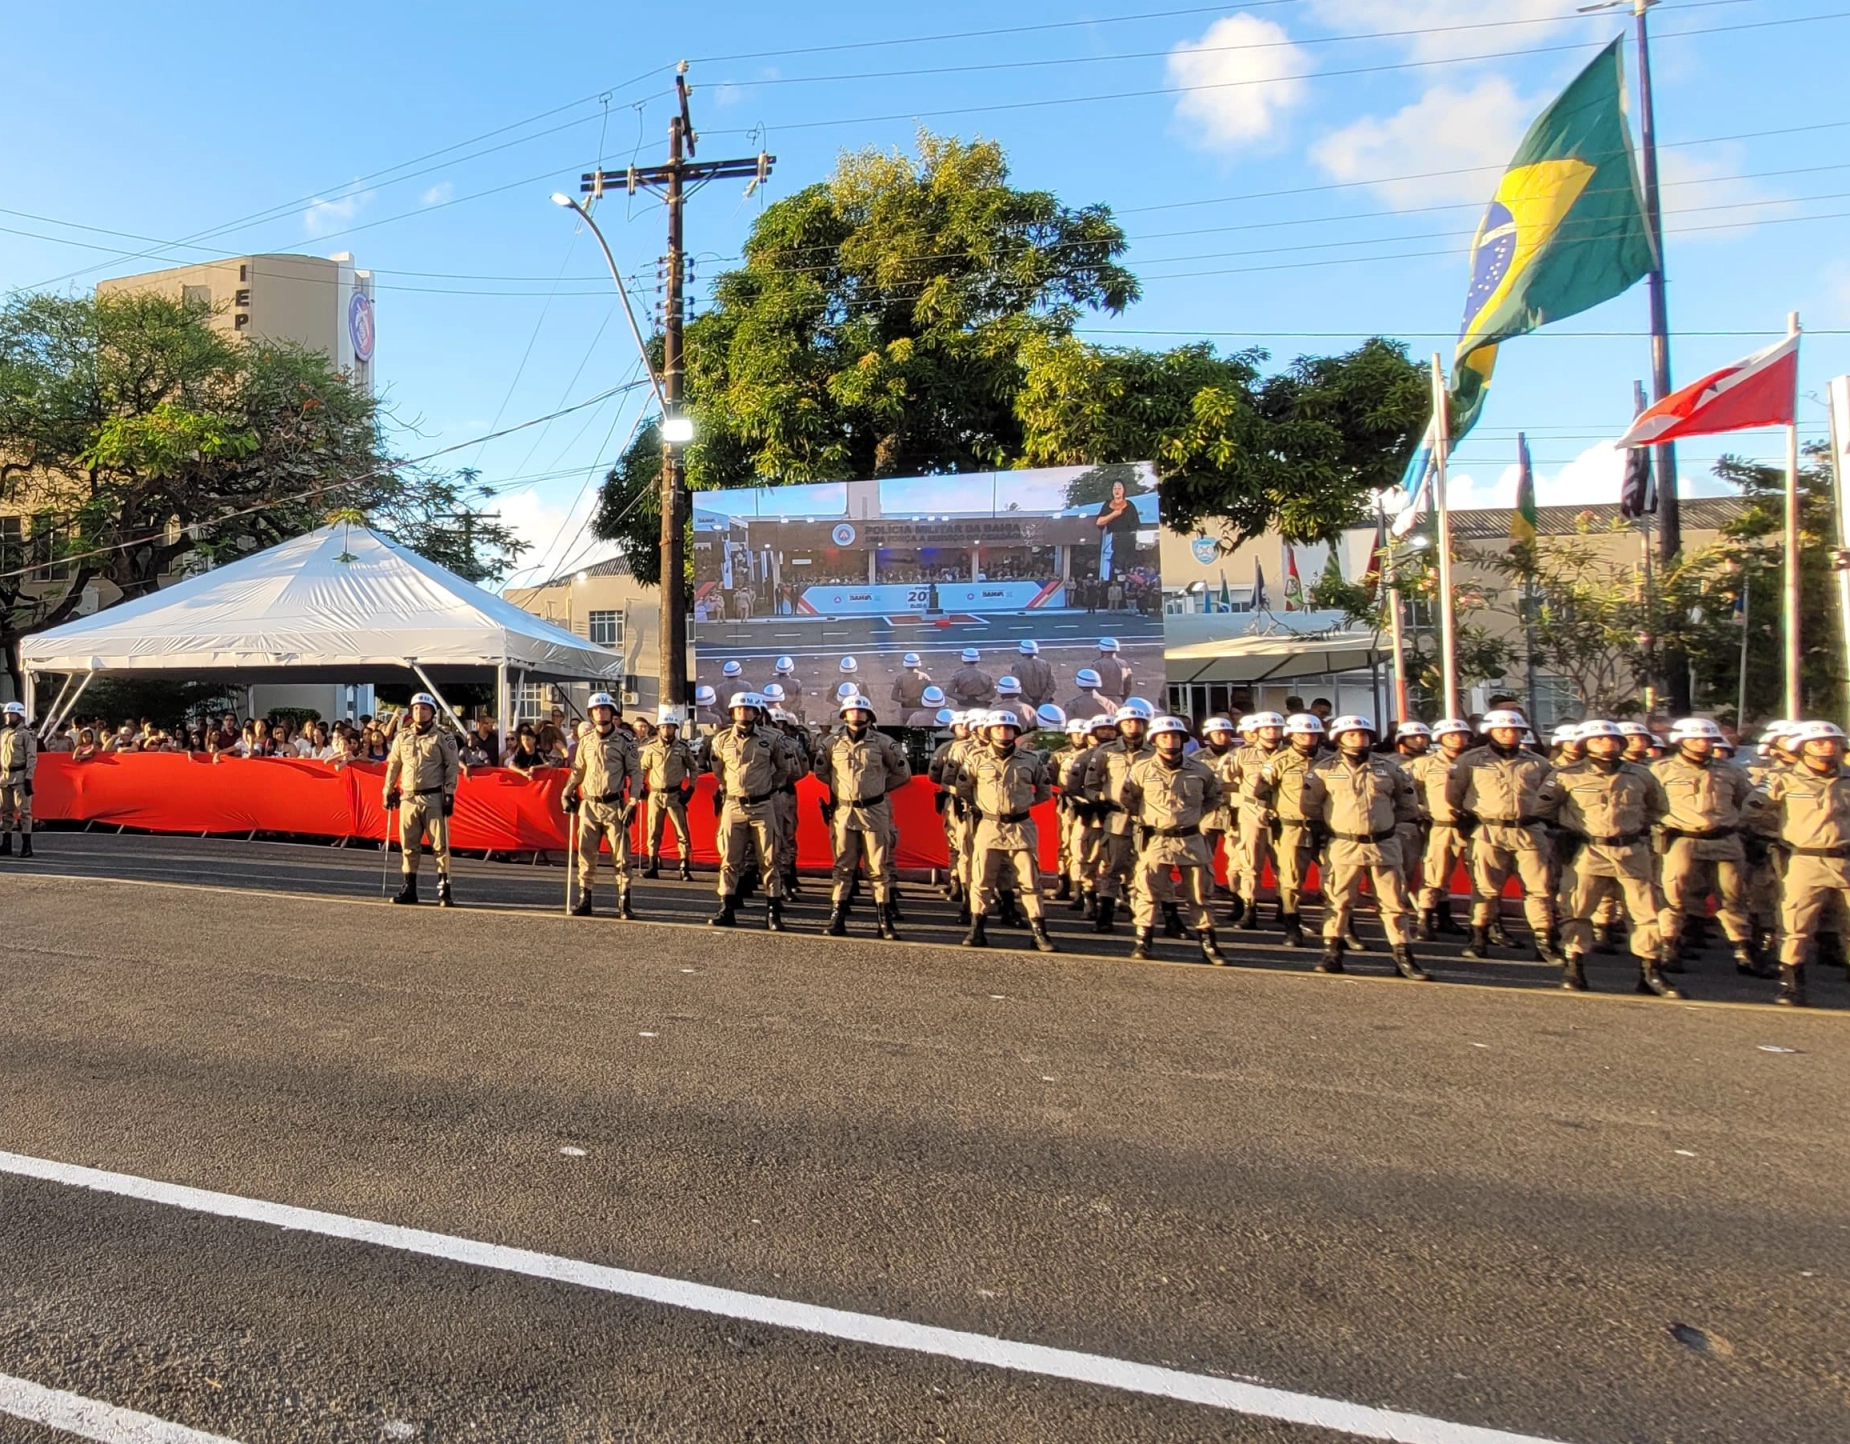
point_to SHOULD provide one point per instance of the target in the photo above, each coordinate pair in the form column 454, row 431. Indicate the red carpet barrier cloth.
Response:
column 497, row 809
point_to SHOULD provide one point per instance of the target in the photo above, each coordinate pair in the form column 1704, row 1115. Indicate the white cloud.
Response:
column 437, row 194
column 1242, row 69
column 324, row 216
column 1435, row 22
column 1590, row 479
column 1446, row 146
column 1702, row 193
column 555, row 532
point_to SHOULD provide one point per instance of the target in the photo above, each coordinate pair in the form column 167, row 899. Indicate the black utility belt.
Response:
column 429, row 791
column 1712, row 834
column 1006, row 816
column 1820, row 851
column 757, row 797
column 862, row 801
column 1623, row 839
column 1511, row 821
column 1381, row 836
column 1192, row 830
column 609, row 799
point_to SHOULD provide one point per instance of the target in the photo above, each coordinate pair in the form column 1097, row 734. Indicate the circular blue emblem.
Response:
column 843, row 535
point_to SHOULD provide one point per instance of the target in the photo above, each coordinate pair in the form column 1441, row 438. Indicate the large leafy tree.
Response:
column 137, row 436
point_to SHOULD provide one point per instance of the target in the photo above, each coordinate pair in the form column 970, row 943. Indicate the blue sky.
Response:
column 1292, row 176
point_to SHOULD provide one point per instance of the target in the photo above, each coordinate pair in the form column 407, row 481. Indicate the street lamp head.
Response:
column 560, row 198
column 678, row 429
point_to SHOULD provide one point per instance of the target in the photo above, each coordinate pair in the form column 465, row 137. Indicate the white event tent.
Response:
column 341, row 604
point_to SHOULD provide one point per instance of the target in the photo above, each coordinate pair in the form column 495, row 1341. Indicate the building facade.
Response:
column 604, row 604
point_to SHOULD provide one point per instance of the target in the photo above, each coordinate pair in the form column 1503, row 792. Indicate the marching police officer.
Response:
column 1805, row 808
column 1703, row 852
column 1104, row 776
column 1167, row 793
column 751, row 766
column 970, row 686
column 1606, row 808
column 909, row 686
column 1036, row 677
column 1361, row 801
column 1496, row 791
column 859, row 767
column 668, row 766
column 421, row 774
column 1003, row 784
column 1088, row 703
column 1246, row 782
column 1446, row 846
column 19, row 763
column 600, row 790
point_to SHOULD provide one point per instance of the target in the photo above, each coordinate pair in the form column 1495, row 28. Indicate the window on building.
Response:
column 533, row 701
column 43, row 549
column 12, row 543
column 605, row 629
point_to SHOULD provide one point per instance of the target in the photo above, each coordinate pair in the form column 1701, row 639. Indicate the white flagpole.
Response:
column 1441, row 438
column 1793, row 651
column 1839, row 397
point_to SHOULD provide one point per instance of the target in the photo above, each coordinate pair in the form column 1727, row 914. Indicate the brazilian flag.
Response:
column 1565, row 230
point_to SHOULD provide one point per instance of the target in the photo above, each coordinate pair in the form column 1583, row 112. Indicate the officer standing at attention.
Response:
column 750, row 766
column 1496, row 791
column 1702, row 848
column 19, row 763
column 1009, row 699
column 1088, row 703
column 931, row 703
column 1166, row 793
column 942, row 770
column 1606, row 808
column 1072, row 882
column 421, row 773
column 605, row 775
column 1246, row 782
column 785, row 671
column 909, row 686
column 706, row 710
column 1412, row 741
column 1002, row 784
column 669, row 767
column 1446, row 846
column 859, row 767
column 1362, row 801
column 970, row 686
column 1104, row 777
column 784, row 729
column 1280, row 790
column 1114, row 672
column 1035, row 676
column 1217, row 825
column 1805, row 808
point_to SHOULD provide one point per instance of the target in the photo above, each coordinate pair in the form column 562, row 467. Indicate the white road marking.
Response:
column 1360, row 1420
column 91, row 1418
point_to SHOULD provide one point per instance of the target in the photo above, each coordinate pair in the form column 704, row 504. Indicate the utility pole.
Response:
column 675, row 180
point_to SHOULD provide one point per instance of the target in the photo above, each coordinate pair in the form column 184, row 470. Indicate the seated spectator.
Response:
column 62, row 739
column 374, row 747
column 527, row 755
column 87, row 745
column 227, row 732
column 472, row 753
column 346, row 750
column 216, row 748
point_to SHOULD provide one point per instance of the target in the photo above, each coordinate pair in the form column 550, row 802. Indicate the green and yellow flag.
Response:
column 1565, row 230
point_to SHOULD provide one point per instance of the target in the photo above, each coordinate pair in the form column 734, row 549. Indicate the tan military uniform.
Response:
column 1281, row 789
column 1363, row 804
column 793, row 694
column 1168, row 803
column 1003, row 789
column 1504, row 796
column 1114, row 676
column 751, row 770
column 423, row 767
column 1083, row 835
column 1219, row 826
column 1606, row 815
column 668, row 770
column 1702, row 848
column 1808, row 814
column 859, row 774
column 784, row 805
column 970, row 686
column 1086, row 706
column 1246, row 782
column 909, row 688
column 1105, row 774
column 19, row 763
column 603, row 765
column 1445, row 844
column 1037, row 680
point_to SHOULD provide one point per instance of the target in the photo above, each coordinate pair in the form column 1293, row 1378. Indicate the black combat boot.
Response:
column 1332, row 959
column 1447, row 924
column 1009, row 916
column 1294, row 930
column 1144, row 948
column 6, row 844
column 582, row 908
column 687, row 870
column 1172, row 922
column 892, row 906
column 654, row 869
column 1498, row 933
column 1605, row 940
column 1092, row 904
column 1747, row 963
column 1550, row 947
column 888, row 916
column 774, row 915
column 25, row 844
column 1429, row 925
column 409, row 892
column 1065, row 890
column 1830, row 951
column 1352, row 940
column 1107, row 914
column 1478, row 949
column 963, row 910
column 1077, row 899
column 1236, row 910
column 1407, row 966
column 1249, row 918
column 1651, row 979
column 1573, row 973
column 976, row 937
column 444, row 900
column 625, row 908
column 1037, row 927
column 1791, row 986
column 1210, row 949
column 728, row 914
column 837, row 925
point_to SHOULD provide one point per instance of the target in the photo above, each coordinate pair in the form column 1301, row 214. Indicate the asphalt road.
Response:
column 1583, row 1218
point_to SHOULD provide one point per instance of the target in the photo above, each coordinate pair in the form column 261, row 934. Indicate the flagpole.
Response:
column 1747, row 605
column 1528, row 602
column 1396, row 637
column 1839, row 397
column 1441, row 444
column 1793, row 650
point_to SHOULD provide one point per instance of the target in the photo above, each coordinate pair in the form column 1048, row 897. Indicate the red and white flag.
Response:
column 1759, row 391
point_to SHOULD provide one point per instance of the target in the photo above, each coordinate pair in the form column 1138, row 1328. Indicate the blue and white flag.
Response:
column 1415, row 485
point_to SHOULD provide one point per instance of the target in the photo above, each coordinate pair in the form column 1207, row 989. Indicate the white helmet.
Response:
column 601, row 699
column 1049, row 716
column 1163, row 725
column 1565, row 732
column 1703, row 727
column 846, row 690
column 1135, row 707
column 1411, row 729
column 1777, row 729
column 970, row 654
column 1634, row 729
column 745, row 699
column 1354, row 722
column 731, row 670
column 1087, row 678
column 666, row 716
column 1108, row 644
column 849, row 666
column 1077, row 727
column 1002, row 718
column 1029, row 648
column 932, row 696
column 1600, row 727
column 1804, row 732
column 1262, row 719
column 423, row 699
column 785, row 666
column 946, row 717
column 773, row 692
column 1450, row 724
column 705, row 696
column 911, row 659
column 14, row 709
column 1102, row 721
column 778, row 714
column 1504, row 717
column 1008, row 687
column 1217, row 724
column 1304, row 724
column 856, row 703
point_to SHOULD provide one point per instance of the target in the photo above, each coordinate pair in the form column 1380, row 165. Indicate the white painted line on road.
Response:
column 1359, row 1420
column 91, row 1418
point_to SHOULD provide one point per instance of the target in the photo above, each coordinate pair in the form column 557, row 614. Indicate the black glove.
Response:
column 27, row 786
column 719, row 802
column 393, row 799
column 1466, row 823
column 449, row 804
column 686, row 791
column 571, row 804
column 940, row 801
column 1757, row 848
column 827, row 809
